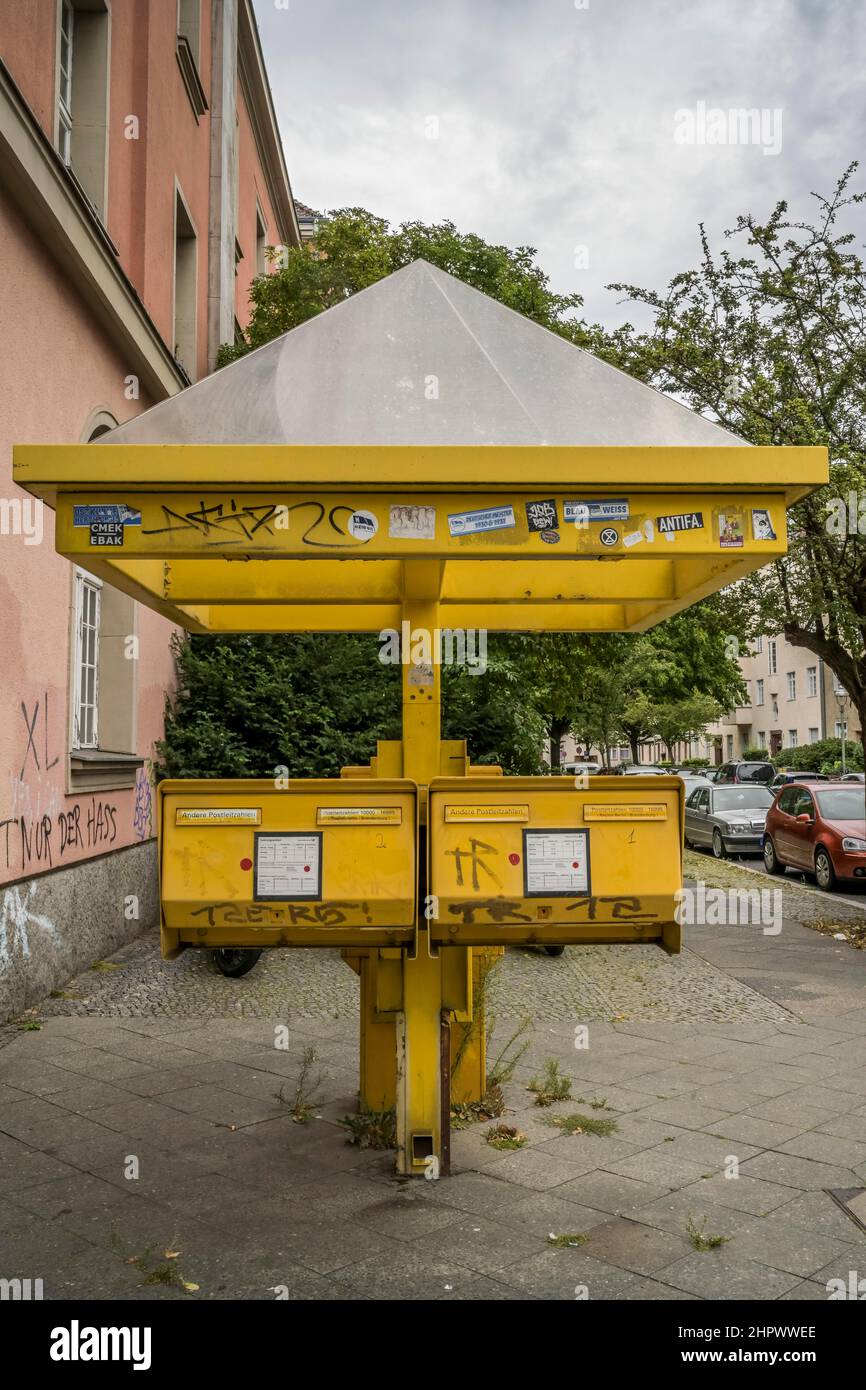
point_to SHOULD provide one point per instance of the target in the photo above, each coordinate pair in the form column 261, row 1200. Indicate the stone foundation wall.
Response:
column 56, row 924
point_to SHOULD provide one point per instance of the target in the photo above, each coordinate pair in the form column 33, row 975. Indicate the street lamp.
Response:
column 842, row 698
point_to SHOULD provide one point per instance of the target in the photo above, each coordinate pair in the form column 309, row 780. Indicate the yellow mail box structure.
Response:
column 550, row 861
column 320, row 863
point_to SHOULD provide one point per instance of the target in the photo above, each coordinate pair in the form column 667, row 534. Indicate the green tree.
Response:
column 675, row 720
column 767, row 338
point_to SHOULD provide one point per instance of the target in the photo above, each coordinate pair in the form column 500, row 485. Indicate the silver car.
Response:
column 727, row 819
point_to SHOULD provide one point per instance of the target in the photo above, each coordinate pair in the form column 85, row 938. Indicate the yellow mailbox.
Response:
column 555, row 860
column 252, row 863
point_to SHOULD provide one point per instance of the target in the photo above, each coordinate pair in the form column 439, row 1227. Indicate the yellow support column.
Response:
column 422, row 1110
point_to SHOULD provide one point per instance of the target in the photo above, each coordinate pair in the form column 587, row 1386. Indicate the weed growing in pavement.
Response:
column 582, row 1124
column 505, row 1137
column 372, row 1129
column 305, row 1100
column 552, row 1085
column 700, row 1240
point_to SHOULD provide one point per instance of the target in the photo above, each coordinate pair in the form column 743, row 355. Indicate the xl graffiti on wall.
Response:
column 38, row 835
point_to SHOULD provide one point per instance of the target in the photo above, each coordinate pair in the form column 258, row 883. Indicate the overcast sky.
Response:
column 559, row 123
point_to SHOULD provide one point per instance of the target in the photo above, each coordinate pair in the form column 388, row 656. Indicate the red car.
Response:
column 819, row 828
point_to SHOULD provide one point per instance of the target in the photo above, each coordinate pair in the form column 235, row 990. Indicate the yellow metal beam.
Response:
column 213, row 524
column 43, row 468
column 498, row 617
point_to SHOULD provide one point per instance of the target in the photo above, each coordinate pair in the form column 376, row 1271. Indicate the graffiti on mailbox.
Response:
column 476, row 857
column 621, row 909
column 331, row 914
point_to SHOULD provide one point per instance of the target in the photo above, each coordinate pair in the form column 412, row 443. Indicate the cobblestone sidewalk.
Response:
column 146, row 1152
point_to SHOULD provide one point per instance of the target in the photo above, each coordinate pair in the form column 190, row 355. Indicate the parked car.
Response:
column 819, row 829
column 854, row 777
column 745, row 772
column 727, row 819
column 692, row 783
column 644, row 770
column 783, row 779
column 688, row 772
column 575, row 769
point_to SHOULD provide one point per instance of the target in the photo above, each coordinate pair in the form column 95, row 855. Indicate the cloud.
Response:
column 556, row 124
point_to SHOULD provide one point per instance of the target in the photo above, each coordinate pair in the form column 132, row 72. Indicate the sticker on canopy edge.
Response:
column 596, row 509
column 484, row 519
column 116, row 513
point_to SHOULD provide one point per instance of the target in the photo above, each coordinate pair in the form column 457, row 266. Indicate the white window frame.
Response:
column 64, row 74
column 792, row 738
column 85, row 584
column 762, row 739
column 812, row 678
column 791, row 679
column 814, row 735
column 772, row 662
column 759, row 692
column 759, row 646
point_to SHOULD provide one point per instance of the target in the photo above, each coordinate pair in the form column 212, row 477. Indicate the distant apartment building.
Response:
column 794, row 698
column 141, row 180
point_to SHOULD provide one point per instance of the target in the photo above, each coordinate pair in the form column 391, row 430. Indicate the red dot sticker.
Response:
column 514, row 858
column 306, row 868
column 574, row 864
column 246, row 863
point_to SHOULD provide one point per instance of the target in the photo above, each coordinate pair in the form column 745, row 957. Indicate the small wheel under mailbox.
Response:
column 554, row 950
column 235, row 962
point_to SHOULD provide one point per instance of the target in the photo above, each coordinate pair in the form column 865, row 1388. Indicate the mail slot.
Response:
column 317, row 863
column 553, row 860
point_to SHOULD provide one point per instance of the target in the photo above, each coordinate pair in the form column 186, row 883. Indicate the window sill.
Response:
column 191, row 80
column 95, row 770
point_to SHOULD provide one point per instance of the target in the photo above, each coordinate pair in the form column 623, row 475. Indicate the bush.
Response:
column 824, row 756
column 757, row 755
column 696, row 763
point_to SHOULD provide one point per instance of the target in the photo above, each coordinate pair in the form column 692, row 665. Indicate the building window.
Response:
column 838, row 728
column 188, row 20
column 759, row 692
column 188, row 13
column 85, row 698
column 261, row 242
column 82, row 96
column 730, row 745
column 759, row 646
column 792, row 685
column 792, row 738
column 771, row 656
column 185, row 279
column 762, row 739
column 812, row 680
column 64, row 95
column 813, row 735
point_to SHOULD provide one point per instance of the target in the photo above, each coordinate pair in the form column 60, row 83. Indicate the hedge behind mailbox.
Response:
column 245, row 863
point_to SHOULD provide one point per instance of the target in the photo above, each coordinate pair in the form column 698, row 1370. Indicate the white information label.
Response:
column 288, row 866
column 557, row 861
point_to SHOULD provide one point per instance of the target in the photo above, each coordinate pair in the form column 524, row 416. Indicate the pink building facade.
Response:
column 141, row 181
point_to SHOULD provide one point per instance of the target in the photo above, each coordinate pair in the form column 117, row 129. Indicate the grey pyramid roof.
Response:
column 361, row 374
